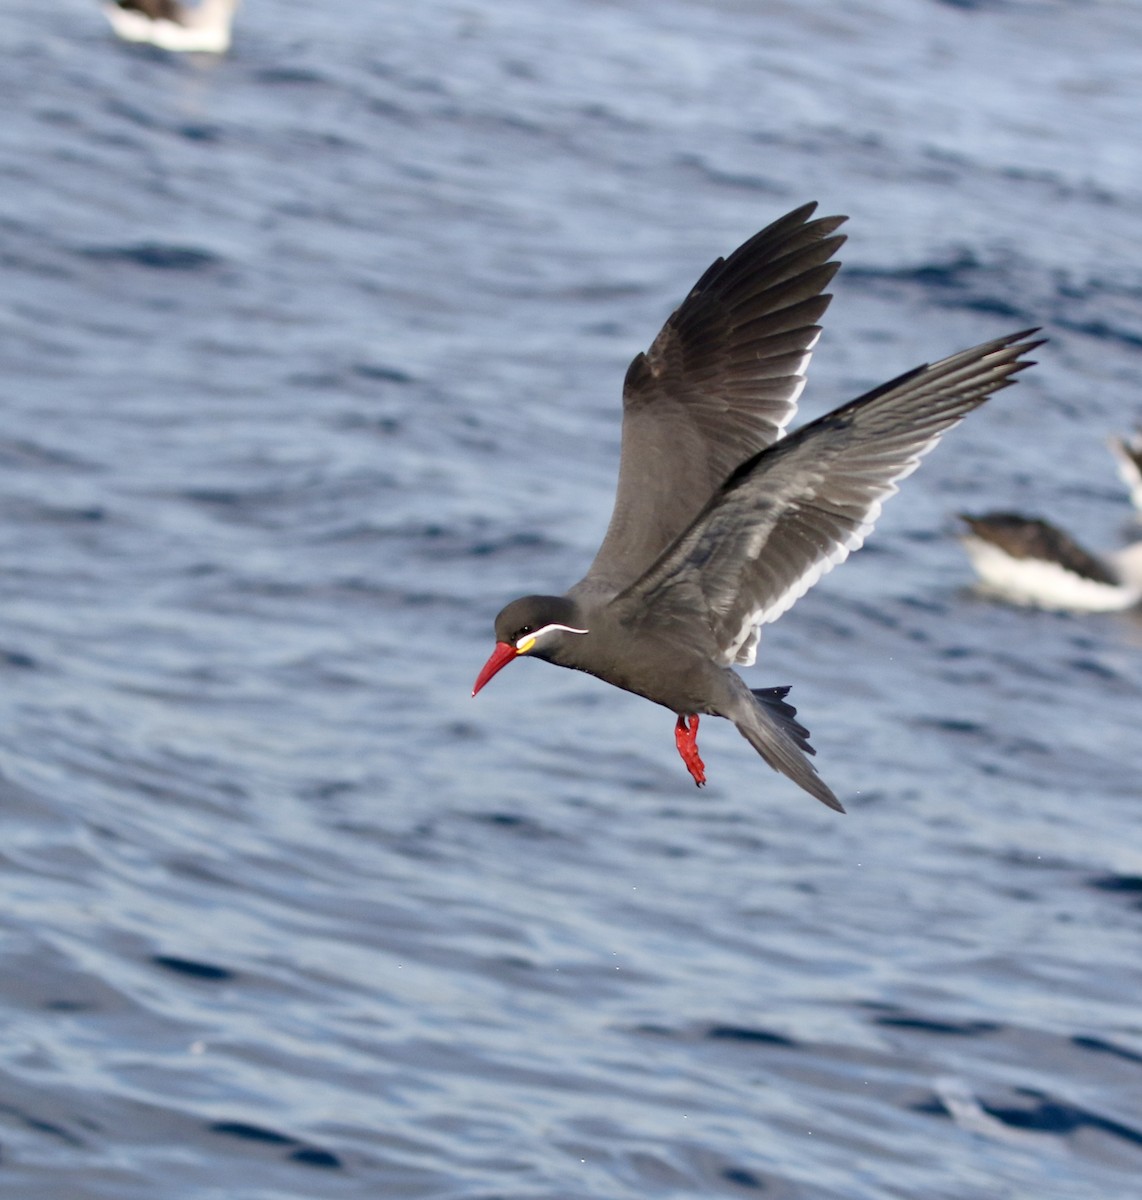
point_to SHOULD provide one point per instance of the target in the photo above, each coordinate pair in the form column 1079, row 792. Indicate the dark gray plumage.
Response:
column 720, row 525
column 719, row 383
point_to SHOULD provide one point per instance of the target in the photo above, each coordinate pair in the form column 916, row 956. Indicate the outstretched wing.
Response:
column 720, row 383
column 796, row 510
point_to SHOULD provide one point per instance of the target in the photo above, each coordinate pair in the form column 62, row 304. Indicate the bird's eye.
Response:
column 525, row 631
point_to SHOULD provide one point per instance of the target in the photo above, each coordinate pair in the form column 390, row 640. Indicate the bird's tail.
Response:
column 771, row 727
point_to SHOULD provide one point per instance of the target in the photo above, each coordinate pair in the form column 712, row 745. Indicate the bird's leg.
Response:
column 686, row 739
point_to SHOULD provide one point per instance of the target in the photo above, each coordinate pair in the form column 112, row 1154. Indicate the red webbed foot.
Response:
column 686, row 739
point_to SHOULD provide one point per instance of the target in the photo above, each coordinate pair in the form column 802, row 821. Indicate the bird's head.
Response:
column 535, row 625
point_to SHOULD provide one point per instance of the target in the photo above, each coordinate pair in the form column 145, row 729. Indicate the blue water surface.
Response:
column 311, row 359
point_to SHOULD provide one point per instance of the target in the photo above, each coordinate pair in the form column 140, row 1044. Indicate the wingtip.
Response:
column 803, row 215
column 826, row 225
column 1025, row 341
column 1019, row 345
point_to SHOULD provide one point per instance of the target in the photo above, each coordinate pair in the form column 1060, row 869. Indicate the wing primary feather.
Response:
column 718, row 384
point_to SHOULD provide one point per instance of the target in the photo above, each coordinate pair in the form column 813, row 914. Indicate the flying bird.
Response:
column 171, row 25
column 722, row 522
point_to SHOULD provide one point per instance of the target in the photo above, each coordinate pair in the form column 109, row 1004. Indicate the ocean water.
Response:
column 311, row 359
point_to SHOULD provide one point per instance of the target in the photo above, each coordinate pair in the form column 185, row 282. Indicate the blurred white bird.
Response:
column 1029, row 561
column 173, row 26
